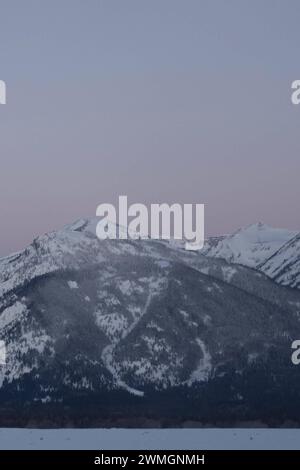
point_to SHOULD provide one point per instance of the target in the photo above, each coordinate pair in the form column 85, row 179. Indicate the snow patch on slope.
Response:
column 204, row 368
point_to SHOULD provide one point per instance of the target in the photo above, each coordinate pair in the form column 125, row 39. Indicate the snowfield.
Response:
column 149, row 439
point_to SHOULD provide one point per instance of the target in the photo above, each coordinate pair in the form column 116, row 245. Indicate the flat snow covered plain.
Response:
column 149, row 439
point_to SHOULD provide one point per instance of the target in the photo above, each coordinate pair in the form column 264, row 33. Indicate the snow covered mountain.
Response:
column 273, row 251
column 141, row 332
column 250, row 246
column 284, row 265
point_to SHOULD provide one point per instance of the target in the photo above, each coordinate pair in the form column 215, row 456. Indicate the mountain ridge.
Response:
column 257, row 246
column 139, row 330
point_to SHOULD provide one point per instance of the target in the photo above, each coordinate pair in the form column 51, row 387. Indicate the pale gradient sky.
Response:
column 161, row 100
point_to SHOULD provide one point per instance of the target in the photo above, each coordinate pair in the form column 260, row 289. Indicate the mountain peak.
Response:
column 251, row 245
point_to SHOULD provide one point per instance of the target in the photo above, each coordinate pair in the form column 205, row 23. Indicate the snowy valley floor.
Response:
column 153, row 439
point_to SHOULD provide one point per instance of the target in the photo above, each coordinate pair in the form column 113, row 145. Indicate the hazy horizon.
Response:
column 164, row 101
